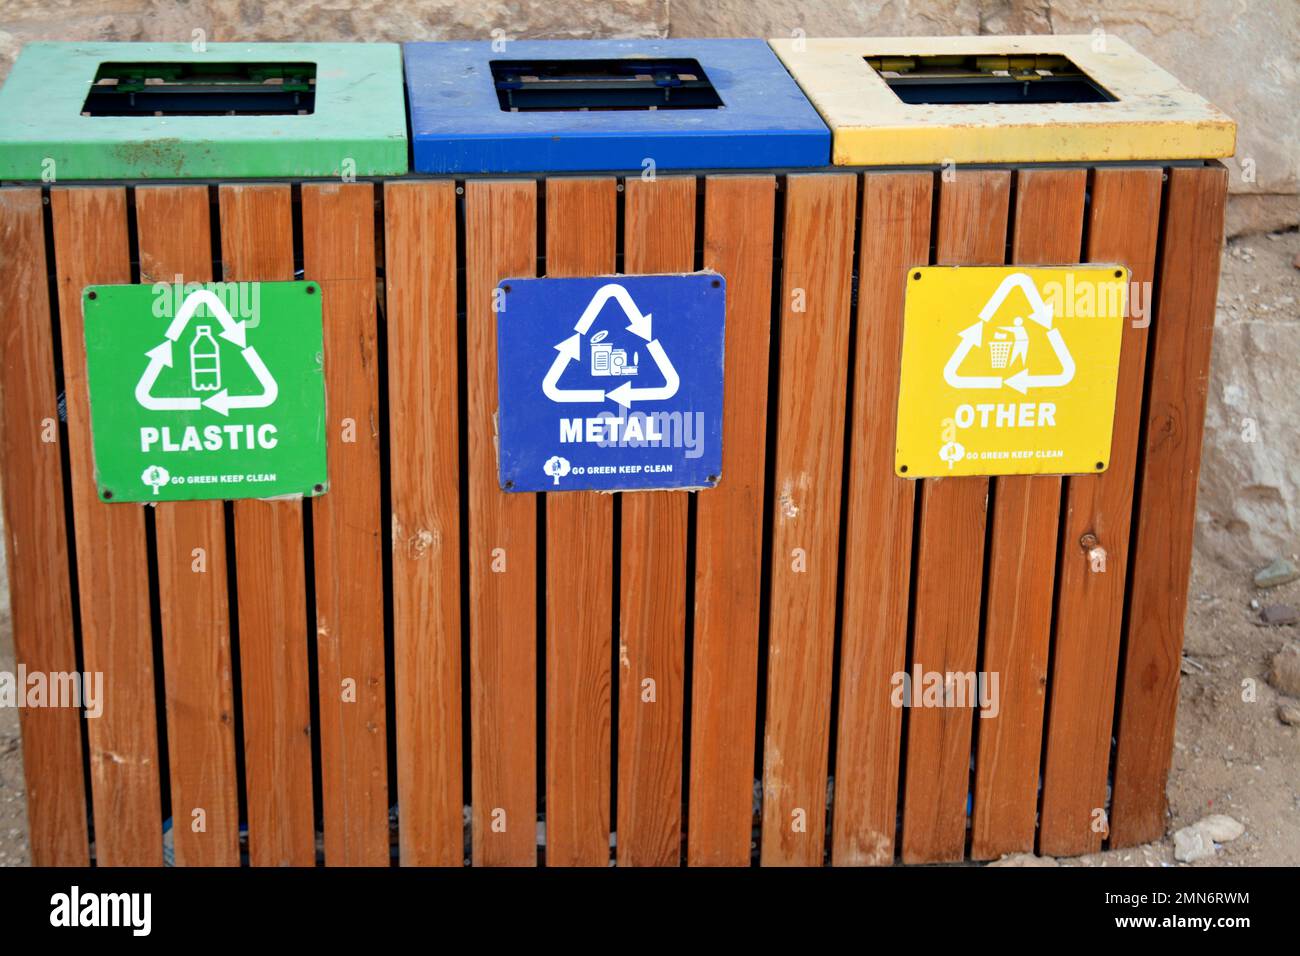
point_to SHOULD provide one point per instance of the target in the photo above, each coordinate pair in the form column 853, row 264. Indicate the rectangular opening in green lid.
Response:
column 202, row 89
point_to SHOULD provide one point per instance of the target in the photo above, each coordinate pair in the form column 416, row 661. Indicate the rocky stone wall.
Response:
column 1241, row 54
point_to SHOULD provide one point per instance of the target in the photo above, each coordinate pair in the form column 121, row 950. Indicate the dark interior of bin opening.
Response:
column 202, row 89
column 973, row 80
column 627, row 84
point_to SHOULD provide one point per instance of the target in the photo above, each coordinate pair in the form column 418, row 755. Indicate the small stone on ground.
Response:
column 1285, row 672
column 1024, row 859
column 1277, row 615
column 1278, row 573
column 1197, row 842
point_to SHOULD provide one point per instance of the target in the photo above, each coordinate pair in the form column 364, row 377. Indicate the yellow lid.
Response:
column 1028, row 99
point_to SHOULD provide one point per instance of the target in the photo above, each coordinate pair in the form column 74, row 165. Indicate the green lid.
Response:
column 121, row 111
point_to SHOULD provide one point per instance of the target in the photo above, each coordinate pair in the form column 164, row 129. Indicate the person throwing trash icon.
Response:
column 1004, row 353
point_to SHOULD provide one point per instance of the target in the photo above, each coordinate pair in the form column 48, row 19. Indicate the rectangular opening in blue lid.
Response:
column 202, row 89
column 605, row 84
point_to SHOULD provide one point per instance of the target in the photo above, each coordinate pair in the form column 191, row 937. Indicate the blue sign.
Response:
column 610, row 383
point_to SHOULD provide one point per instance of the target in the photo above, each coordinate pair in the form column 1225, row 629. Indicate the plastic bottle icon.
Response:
column 205, row 361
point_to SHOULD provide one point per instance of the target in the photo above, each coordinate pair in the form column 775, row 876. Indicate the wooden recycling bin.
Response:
column 1028, row 151
column 655, row 677
column 130, row 164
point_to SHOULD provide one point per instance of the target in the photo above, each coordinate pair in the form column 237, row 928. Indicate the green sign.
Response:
column 206, row 391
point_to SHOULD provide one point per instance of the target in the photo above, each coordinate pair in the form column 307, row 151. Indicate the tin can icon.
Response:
column 607, row 360
column 205, row 361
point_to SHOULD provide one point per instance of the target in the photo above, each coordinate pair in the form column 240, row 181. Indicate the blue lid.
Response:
column 567, row 105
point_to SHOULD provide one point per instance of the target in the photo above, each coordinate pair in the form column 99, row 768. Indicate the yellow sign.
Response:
column 1009, row 370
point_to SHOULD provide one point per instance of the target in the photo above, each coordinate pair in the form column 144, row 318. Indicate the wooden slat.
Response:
column 36, row 534
column 659, row 236
column 738, row 221
column 950, row 567
column 338, row 230
column 257, row 245
column 878, row 547
column 815, row 302
column 1123, row 226
column 500, row 242
column 90, row 246
column 581, row 239
column 174, row 239
column 1180, row 363
column 1026, row 513
column 423, row 430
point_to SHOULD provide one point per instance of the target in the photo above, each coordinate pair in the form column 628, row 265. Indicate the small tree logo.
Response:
column 556, row 467
column 155, row 476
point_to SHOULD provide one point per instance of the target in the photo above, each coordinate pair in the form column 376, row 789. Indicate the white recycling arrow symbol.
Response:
column 161, row 357
column 569, row 350
column 972, row 337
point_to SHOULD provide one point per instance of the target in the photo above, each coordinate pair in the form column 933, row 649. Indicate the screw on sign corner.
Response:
column 318, row 488
column 311, row 290
column 108, row 495
column 92, row 295
column 917, row 275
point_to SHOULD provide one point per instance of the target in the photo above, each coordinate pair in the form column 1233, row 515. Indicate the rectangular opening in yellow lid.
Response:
column 974, row 79
column 903, row 101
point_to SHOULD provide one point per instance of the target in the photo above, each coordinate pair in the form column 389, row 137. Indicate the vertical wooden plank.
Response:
column 423, row 430
column 1123, row 226
column 950, row 567
column 738, row 225
column 90, row 243
column 40, row 592
column 500, row 243
column 815, row 301
column 1171, row 456
column 878, row 547
column 1022, row 567
column 338, row 239
column 659, row 236
column 581, row 239
column 257, row 245
column 175, row 240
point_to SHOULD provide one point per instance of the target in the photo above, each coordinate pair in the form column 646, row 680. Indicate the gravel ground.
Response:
column 1231, row 756
column 13, row 802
